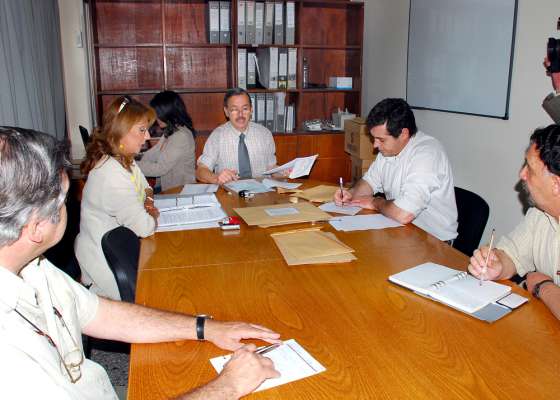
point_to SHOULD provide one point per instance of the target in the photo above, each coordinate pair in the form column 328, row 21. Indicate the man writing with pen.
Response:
column 533, row 248
column 412, row 172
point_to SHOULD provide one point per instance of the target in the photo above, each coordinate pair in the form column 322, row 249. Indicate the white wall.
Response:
column 486, row 153
column 76, row 76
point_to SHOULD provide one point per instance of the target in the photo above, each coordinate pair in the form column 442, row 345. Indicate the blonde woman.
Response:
column 116, row 192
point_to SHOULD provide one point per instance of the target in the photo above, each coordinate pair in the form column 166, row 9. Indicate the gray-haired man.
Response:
column 43, row 312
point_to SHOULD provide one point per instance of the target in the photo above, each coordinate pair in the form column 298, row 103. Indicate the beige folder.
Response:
column 318, row 194
column 311, row 246
column 282, row 214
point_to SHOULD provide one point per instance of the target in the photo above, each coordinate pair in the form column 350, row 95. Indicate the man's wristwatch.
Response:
column 200, row 320
column 537, row 287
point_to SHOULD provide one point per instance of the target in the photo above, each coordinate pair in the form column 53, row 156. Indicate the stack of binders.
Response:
column 269, row 22
column 219, row 31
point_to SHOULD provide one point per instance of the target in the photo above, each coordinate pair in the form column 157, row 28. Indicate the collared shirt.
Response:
column 221, row 149
column 420, row 181
column 30, row 367
column 534, row 245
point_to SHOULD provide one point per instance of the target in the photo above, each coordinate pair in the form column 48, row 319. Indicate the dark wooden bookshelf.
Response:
column 142, row 47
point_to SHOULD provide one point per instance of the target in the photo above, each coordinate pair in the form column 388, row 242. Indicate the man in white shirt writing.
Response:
column 412, row 173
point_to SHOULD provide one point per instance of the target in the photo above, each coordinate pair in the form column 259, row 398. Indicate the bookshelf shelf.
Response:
column 141, row 47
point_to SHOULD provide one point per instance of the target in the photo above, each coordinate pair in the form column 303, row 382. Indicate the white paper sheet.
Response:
column 278, row 212
column 199, row 188
column 290, row 359
column 333, row 208
column 363, row 222
column 251, row 185
column 169, row 201
column 270, row 183
column 300, row 166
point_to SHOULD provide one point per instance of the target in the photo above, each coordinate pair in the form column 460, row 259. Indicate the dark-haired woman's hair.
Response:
column 119, row 118
column 171, row 110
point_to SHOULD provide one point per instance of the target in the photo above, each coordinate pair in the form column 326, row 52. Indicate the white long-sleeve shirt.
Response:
column 420, row 181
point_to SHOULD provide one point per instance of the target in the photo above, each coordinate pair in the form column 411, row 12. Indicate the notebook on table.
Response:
column 455, row 288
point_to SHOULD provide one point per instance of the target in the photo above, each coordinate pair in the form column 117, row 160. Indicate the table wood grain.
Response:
column 376, row 340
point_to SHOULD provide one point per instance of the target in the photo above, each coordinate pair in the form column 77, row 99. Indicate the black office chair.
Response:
column 85, row 135
column 473, row 212
column 121, row 247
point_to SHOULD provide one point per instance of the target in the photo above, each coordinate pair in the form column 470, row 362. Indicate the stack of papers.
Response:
column 281, row 214
column 318, row 194
column 250, row 185
column 290, row 359
column 270, row 183
column 299, row 167
column 184, row 212
column 199, row 188
column 363, row 223
column 333, row 208
column 311, row 246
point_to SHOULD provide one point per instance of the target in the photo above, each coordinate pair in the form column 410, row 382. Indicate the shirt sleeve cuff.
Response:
column 408, row 206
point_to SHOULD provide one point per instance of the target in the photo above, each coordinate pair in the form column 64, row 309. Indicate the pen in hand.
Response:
column 341, row 191
column 485, row 267
column 266, row 349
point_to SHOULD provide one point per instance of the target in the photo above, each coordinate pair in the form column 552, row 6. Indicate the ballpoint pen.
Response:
column 341, row 191
column 266, row 349
column 485, row 267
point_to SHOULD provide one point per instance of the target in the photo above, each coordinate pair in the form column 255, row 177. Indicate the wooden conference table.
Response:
column 375, row 339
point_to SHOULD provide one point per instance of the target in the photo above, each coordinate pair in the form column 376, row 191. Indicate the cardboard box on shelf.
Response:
column 357, row 140
column 359, row 168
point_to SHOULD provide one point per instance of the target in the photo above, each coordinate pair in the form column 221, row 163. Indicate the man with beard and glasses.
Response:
column 239, row 148
column 533, row 248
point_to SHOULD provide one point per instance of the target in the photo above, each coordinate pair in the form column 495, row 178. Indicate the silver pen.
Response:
column 266, row 349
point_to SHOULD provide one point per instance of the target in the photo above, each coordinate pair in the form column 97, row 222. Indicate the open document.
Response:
column 169, row 201
column 290, row 359
column 250, row 185
column 191, row 189
column 183, row 212
column 300, row 166
column 363, row 222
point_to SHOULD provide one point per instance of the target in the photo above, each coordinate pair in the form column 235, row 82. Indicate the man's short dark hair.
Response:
column 31, row 175
column 547, row 142
column 236, row 92
column 396, row 113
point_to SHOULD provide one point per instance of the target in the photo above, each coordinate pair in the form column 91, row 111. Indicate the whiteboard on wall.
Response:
column 460, row 54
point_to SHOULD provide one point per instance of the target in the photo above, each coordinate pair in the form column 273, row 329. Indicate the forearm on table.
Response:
column 213, row 390
column 550, row 295
column 203, row 174
column 391, row 210
column 134, row 323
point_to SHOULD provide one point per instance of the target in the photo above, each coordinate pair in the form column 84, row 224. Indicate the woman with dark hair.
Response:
column 116, row 192
column 172, row 159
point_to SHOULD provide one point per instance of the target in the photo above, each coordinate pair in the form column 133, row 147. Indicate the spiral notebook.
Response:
column 455, row 288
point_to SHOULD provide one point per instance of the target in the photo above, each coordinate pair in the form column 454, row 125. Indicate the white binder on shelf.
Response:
column 278, row 23
column 270, row 111
column 261, row 107
column 267, row 67
column 241, row 22
column 292, row 68
column 290, row 22
column 225, row 36
column 251, row 70
column 242, row 68
column 214, row 22
column 282, row 68
column 279, row 111
column 259, row 23
column 268, row 22
column 250, row 22
column 254, row 106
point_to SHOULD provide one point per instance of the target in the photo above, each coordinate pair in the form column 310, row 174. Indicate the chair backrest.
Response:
column 121, row 247
column 85, row 135
column 473, row 212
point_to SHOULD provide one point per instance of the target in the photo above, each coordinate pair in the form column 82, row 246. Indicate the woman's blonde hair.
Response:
column 119, row 118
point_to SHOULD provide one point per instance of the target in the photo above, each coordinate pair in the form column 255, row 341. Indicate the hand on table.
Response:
column 533, row 278
column 343, row 197
column 227, row 175
column 227, row 335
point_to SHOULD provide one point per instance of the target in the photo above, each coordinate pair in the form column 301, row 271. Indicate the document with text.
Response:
column 290, row 359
